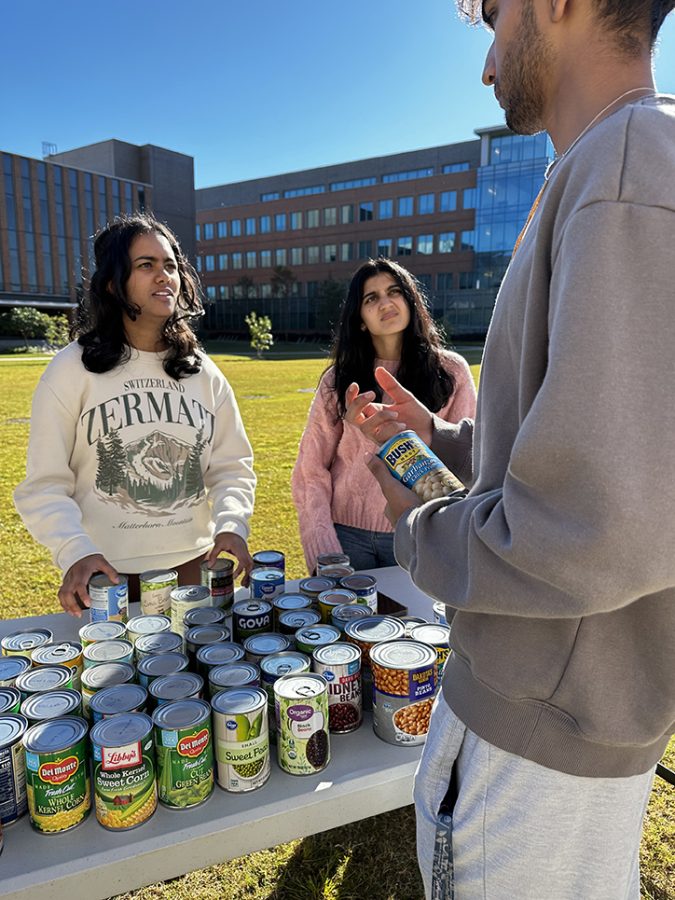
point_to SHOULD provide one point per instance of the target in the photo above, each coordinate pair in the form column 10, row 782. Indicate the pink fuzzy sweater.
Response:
column 330, row 481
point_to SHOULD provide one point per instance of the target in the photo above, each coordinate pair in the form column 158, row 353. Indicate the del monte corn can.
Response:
column 184, row 753
column 240, row 728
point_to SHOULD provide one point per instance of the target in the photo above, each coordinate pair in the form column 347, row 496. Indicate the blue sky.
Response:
column 249, row 87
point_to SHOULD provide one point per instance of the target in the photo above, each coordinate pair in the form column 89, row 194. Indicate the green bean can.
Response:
column 184, row 753
column 241, row 734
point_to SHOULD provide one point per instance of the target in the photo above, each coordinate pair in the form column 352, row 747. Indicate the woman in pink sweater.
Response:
column 384, row 322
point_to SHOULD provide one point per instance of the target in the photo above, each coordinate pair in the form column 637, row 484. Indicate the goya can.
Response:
column 241, row 737
column 307, row 640
column 251, row 617
column 404, row 684
column 185, row 598
column 291, row 621
column 10, row 700
column 367, row 632
column 261, row 645
column 44, row 678
column 51, row 705
column 269, row 559
column 365, row 588
column 184, row 753
column 109, row 601
column 326, row 560
column 436, row 636
column 181, row 686
column 151, row 667
column 340, row 665
column 233, row 675
column 22, row 643
column 106, row 675
column 273, row 667
column 156, row 586
column 125, row 790
column 340, row 615
column 201, row 635
column 101, row 631
column 313, row 586
column 287, row 603
column 205, row 615
column 153, row 644
column 11, row 667
column 328, row 600
column 107, row 652
column 440, row 613
column 13, row 800
column 141, row 625
column 266, row 584
column 218, row 654
column 67, row 653
column 412, row 463
column 57, row 774
column 219, row 579
column 301, row 708
column 120, row 698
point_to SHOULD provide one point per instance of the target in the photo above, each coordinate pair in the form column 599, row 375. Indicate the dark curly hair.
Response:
column 100, row 326
column 353, row 354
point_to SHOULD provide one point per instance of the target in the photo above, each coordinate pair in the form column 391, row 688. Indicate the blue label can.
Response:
column 266, row 584
column 109, row 601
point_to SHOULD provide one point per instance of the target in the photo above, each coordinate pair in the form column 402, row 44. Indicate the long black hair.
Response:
column 100, row 326
column 353, row 353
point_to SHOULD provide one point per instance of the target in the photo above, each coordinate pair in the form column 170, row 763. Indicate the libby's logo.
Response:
column 121, row 757
column 194, row 744
column 58, row 772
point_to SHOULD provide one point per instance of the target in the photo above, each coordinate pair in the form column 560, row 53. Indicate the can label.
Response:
column 242, row 749
column 412, row 463
column 183, row 599
column 58, row 787
column 302, row 733
column 403, row 694
column 220, row 582
column 109, row 602
column 344, row 694
column 185, row 765
column 156, row 590
column 124, row 784
column 13, row 801
column 251, row 617
column 266, row 584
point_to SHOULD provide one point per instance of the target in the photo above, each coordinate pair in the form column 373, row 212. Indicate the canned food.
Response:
column 291, row 621
column 288, row 603
column 312, row 587
column 242, row 747
column 404, row 685
column 51, row 705
column 301, row 706
column 120, row 698
column 269, row 559
column 152, row 644
column 347, row 613
column 410, row 622
column 266, row 584
column 328, row 600
column 140, row 625
column 440, row 613
column 201, row 635
column 233, row 675
column 273, row 667
column 44, row 678
column 106, row 675
column 151, row 667
column 219, row 579
column 108, row 651
column 156, row 586
column 372, row 630
column 183, row 599
column 251, row 617
column 217, row 655
column 365, row 588
column 260, row 645
column 330, row 559
column 11, row 667
column 67, row 653
column 13, row 801
column 181, row 686
column 436, row 636
column 109, row 601
column 125, row 790
column 57, row 774
column 10, row 701
column 22, row 643
column 340, row 665
column 184, row 753
column 337, row 572
column 307, row 640
column 205, row 615
column 412, row 463
column 101, row 631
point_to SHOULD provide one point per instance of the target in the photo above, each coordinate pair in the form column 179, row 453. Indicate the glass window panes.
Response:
column 446, row 242
column 385, row 209
column 265, row 258
column 448, row 201
column 407, row 176
column 346, row 252
column 208, row 231
column 330, row 253
column 405, row 206
column 384, row 247
column 265, row 224
column 468, row 240
column 223, row 291
column 280, row 256
column 250, row 259
column 404, row 246
column 425, row 243
column 365, row 249
column 303, row 192
column 353, row 183
column 222, row 261
column 296, row 221
column 451, row 168
column 312, row 218
column 280, row 222
column 210, row 262
column 250, row 225
column 211, row 292
column 198, row 232
column 235, row 227
column 198, row 263
column 365, row 212
column 347, row 214
column 312, row 255
column 222, row 229
column 266, row 290
column 330, row 215
column 236, row 260
column 425, row 204
column 444, row 281
column 296, row 256
column 270, row 195
column 469, row 198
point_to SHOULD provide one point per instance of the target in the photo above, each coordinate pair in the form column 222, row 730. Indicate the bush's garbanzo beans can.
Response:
column 219, row 654
column 404, row 685
column 241, row 738
column 219, row 579
column 155, row 644
column 22, row 643
column 251, row 617
column 101, row 631
column 121, row 698
column 340, row 665
column 67, row 653
column 183, row 599
column 156, row 586
column 258, row 646
column 288, row 603
column 184, row 753
column 109, row 601
column 44, row 678
column 51, row 705
column 141, row 625
column 436, row 636
column 301, row 706
column 160, row 664
column 412, row 463
column 365, row 588
column 13, row 802
column 108, row 651
column 10, row 701
column 328, row 600
column 106, row 675
column 233, row 675
column 269, row 559
column 11, row 667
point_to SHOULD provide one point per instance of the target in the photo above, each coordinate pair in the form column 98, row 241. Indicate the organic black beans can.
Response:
column 340, row 666
column 184, row 753
column 241, row 735
column 301, row 707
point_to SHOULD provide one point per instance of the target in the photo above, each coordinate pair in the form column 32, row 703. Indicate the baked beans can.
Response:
column 123, row 751
column 404, row 684
column 251, row 617
column 185, row 598
column 328, row 600
column 337, row 572
column 301, row 708
column 365, row 588
column 417, row 467
column 311, row 587
column 109, row 601
column 184, row 753
column 141, row 625
column 10, row 701
column 330, row 559
column 57, row 774
column 233, row 675
column 108, row 651
column 294, row 619
column 266, row 584
column 340, row 615
column 410, row 622
column 154, row 644
column 241, row 737
column 13, row 800
column 258, row 646
column 151, row 667
column 201, row 635
column 44, row 678
column 273, row 667
column 181, row 686
column 22, row 643
column 11, row 667
column 288, row 603
column 367, row 632
column 219, row 579
column 340, row 665
column 120, row 698
column 51, row 705
column 309, row 639
column 67, row 653
column 206, row 615
column 269, row 559
column 106, row 675
column 101, row 631
column 436, row 636
column 440, row 613
column 212, row 655
column 156, row 586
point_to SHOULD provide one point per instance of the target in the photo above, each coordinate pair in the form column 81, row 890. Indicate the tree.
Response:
column 282, row 281
column 57, row 331
column 246, row 285
column 31, row 324
column 260, row 328
column 328, row 303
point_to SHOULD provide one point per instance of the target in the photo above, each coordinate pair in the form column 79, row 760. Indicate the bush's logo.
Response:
column 58, row 772
column 194, row 744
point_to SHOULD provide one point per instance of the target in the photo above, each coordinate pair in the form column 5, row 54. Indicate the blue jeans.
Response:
column 366, row 549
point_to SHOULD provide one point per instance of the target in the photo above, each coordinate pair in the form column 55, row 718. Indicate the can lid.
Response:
column 97, row 677
column 252, row 607
column 102, row 631
column 207, row 634
column 108, row 651
column 51, row 704
column 63, row 652
column 181, row 714
column 220, row 653
column 278, row 664
column 317, row 634
column 44, row 678
column 148, row 624
column 118, row 698
column 430, row 633
column 158, row 576
column 191, row 593
column 299, row 618
column 236, row 673
column 9, row 697
column 26, row 640
column 317, row 583
column 204, row 615
column 222, row 564
column 300, row 685
column 55, row 734
column 358, row 582
column 373, row 629
column 177, row 686
column 12, row 727
column 11, row 666
column 404, row 654
column 102, row 581
column 337, row 597
column 291, row 601
column 119, row 730
column 338, row 654
column 162, row 664
column 239, row 701
column 267, row 575
column 348, row 611
column 266, row 643
column 268, row 557
column 164, row 642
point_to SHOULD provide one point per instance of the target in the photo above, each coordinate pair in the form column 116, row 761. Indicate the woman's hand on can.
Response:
column 73, row 593
column 229, row 542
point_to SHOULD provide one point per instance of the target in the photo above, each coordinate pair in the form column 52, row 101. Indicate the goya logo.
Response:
column 58, row 772
column 193, row 744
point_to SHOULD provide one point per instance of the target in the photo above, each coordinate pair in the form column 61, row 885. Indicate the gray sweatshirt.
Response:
column 560, row 563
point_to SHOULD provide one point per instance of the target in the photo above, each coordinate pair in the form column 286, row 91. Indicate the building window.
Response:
column 407, row 176
column 347, row 214
column 330, row 215
column 303, row 192
column 296, row 221
column 444, row 281
column 352, row 183
column 312, row 255
column 468, row 240
column 102, row 202
column 365, row 212
column 280, row 256
column 466, row 281
column 265, row 258
column 384, row 247
column 270, row 195
column 211, row 292
column 116, row 198
column 235, row 228
column 222, row 261
column 469, row 198
column 425, row 204
column 251, row 259
column 210, row 262
column 296, row 256
column 346, row 252
column 365, row 249
column 208, row 231
column 236, row 260
column 222, row 229
column 223, row 292
column 330, row 253
column 312, row 289
column 198, row 229
column 425, row 244
column 198, row 263
column 446, row 242
column 385, row 209
column 280, row 222
column 448, row 201
column 451, row 168
column 250, row 225
column 265, row 290
column 404, row 246
column 312, row 218
column 265, row 224
column 405, row 206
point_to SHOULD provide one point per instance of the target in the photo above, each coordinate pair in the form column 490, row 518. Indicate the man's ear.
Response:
column 558, row 8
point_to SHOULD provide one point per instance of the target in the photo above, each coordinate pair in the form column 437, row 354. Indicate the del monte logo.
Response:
column 60, row 771
column 193, row 744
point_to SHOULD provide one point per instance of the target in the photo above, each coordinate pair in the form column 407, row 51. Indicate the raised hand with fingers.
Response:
column 380, row 421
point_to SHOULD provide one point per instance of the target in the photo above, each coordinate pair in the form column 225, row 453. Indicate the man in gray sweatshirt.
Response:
column 559, row 565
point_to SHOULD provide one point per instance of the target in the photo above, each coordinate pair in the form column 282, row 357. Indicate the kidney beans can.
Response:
column 241, row 735
column 201, row 635
column 266, row 584
column 57, row 774
column 301, row 708
column 156, row 666
column 10, row 701
column 311, row 587
column 340, row 615
column 273, row 667
column 51, row 705
column 183, row 599
column 258, row 646
column 13, row 800
column 106, row 675
column 11, row 667
column 307, row 640
column 269, row 559
column 108, row 651
column 328, row 600
column 206, row 615
column 94, row 632
column 120, row 698
column 404, row 684
column 44, row 678
column 291, row 621
column 184, row 753
column 233, row 675
column 288, row 603
column 436, row 636
column 123, row 751
column 22, row 643
column 212, row 655
column 251, row 617
column 156, row 586
column 365, row 588
column 220, row 581
column 340, row 665
column 155, row 644
column 141, row 625
column 109, row 601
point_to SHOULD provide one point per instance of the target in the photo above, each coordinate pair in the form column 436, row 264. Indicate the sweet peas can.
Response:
column 241, row 737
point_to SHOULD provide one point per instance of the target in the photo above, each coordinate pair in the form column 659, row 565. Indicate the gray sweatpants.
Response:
column 520, row 831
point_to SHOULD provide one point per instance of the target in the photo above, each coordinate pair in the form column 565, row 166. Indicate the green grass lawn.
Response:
column 369, row 860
